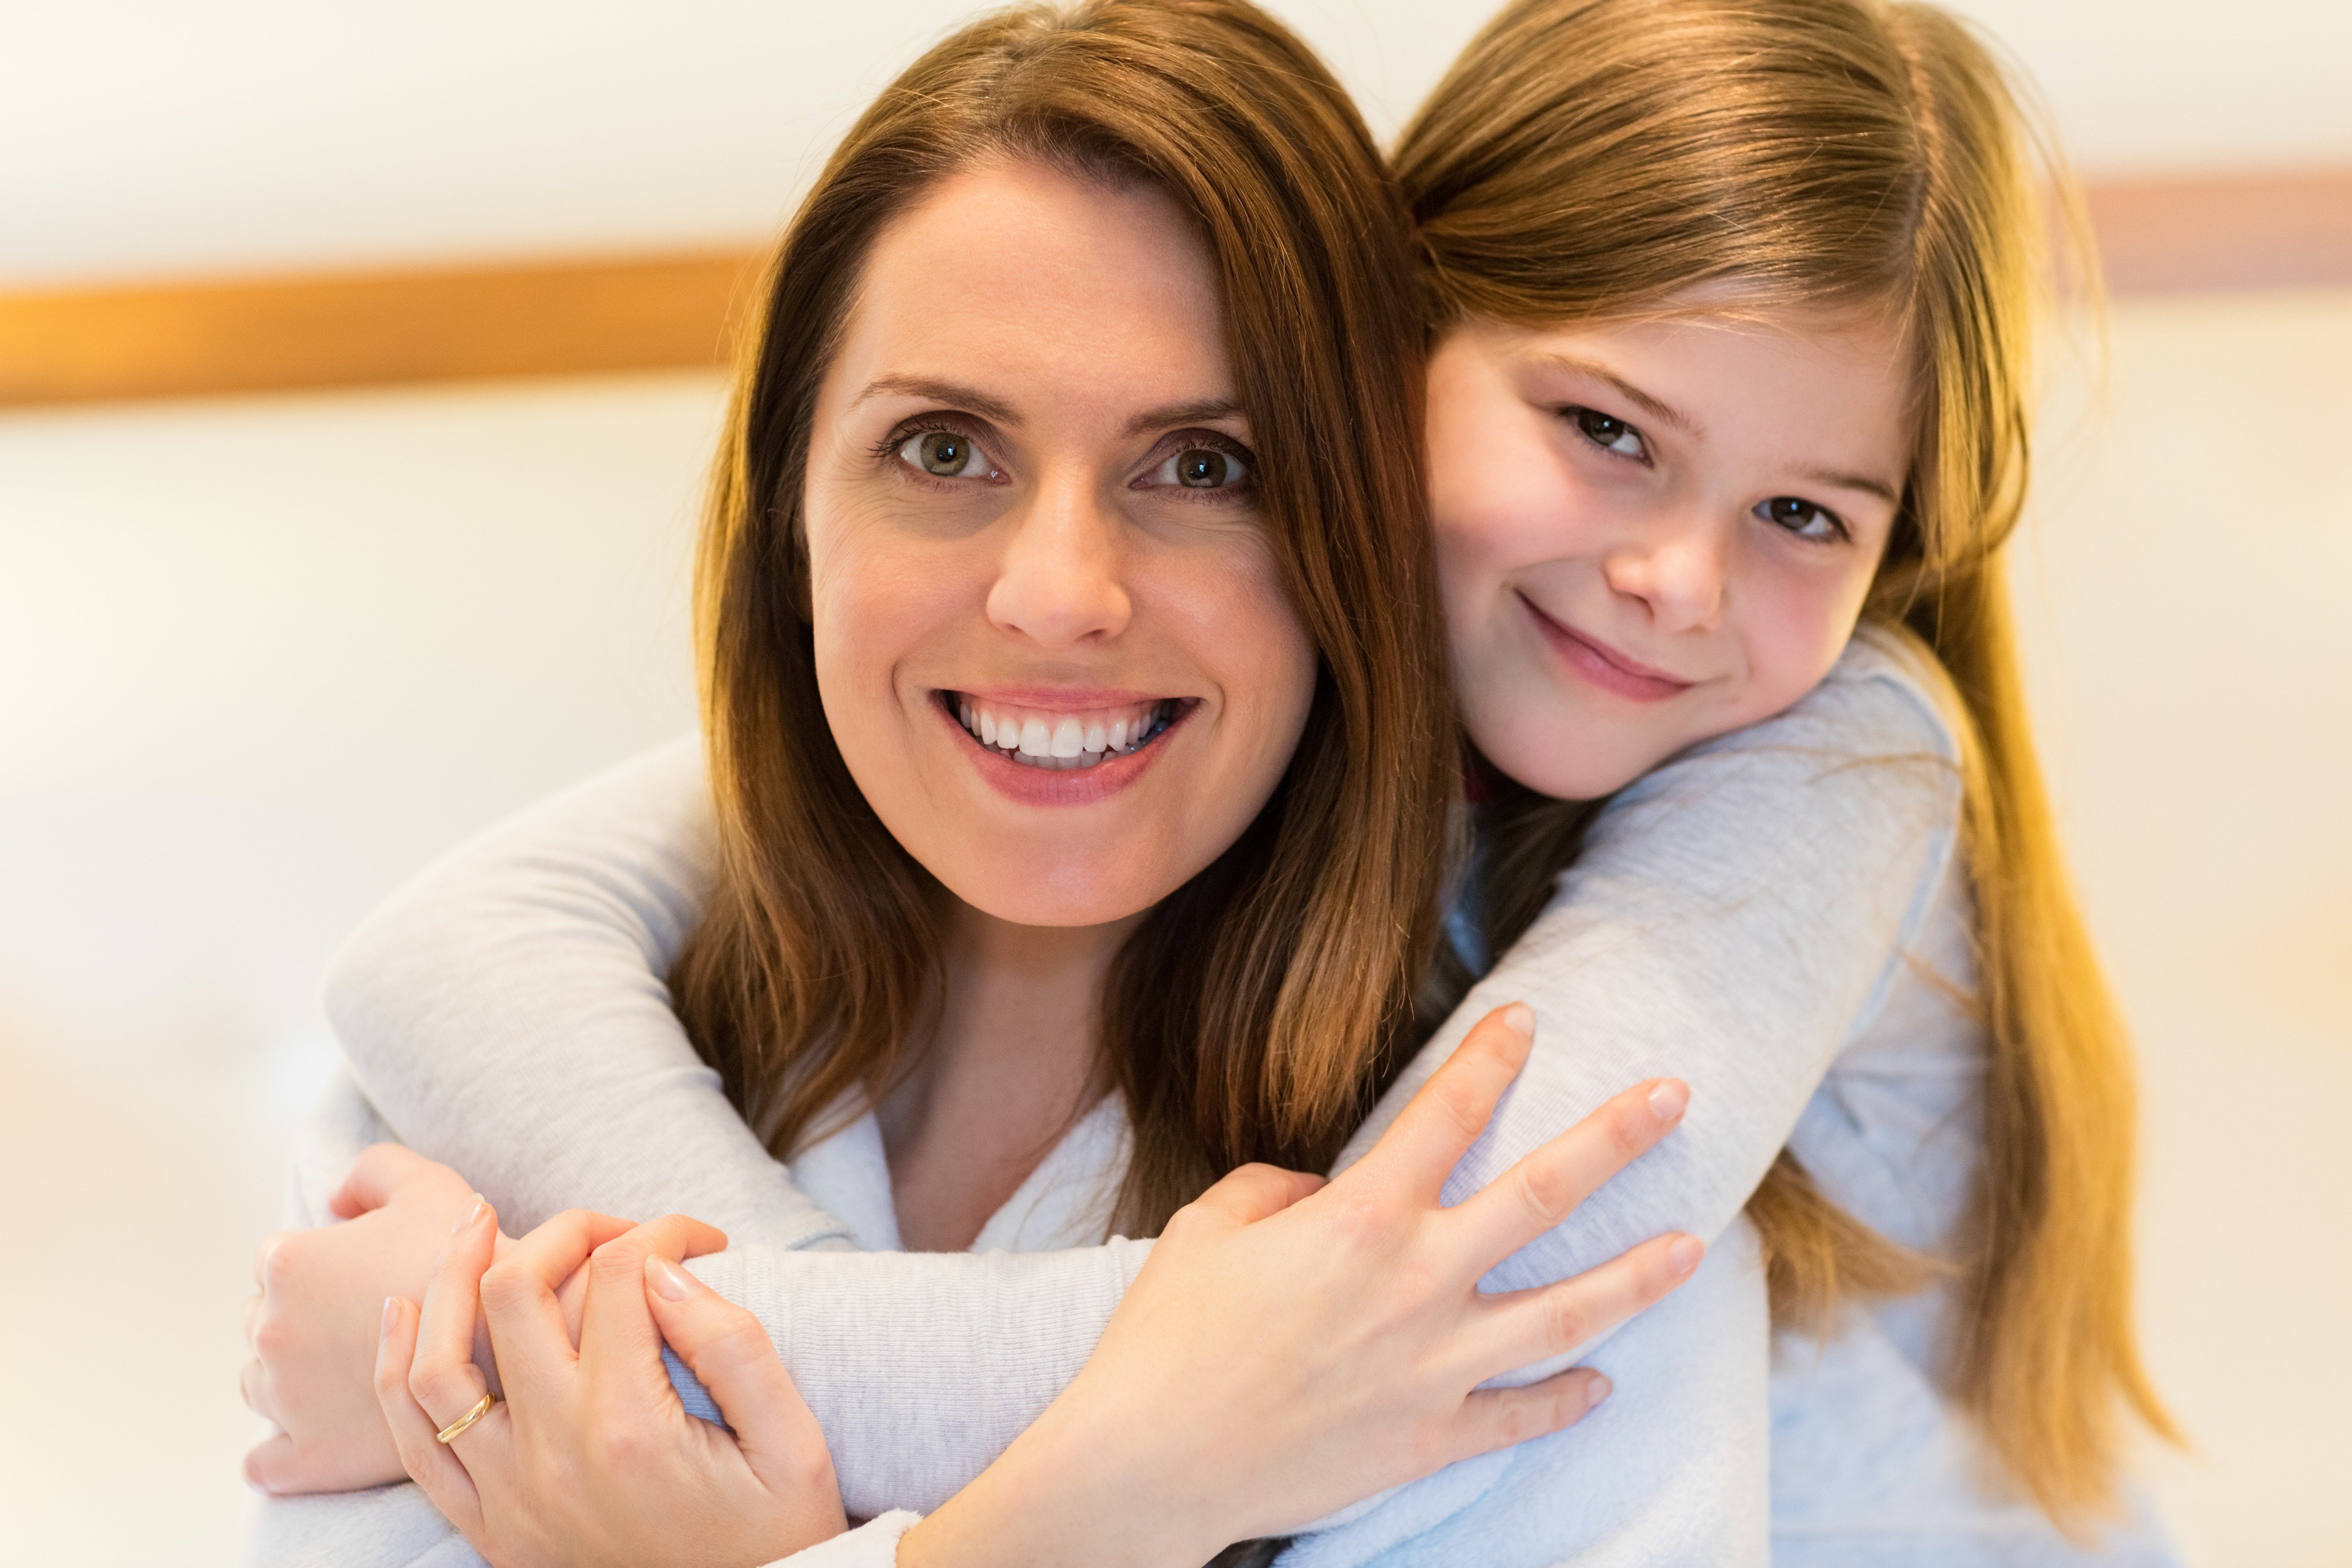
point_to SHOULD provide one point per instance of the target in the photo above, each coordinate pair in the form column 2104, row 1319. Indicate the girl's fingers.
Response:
column 616, row 1331
column 1524, row 1327
column 442, row 1374
column 1494, row 1419
column 730, row 1352
column 1433, row 1132
column 374, row 1176
column 528, row 1334
column 431, row 1464
column 1537, row 1193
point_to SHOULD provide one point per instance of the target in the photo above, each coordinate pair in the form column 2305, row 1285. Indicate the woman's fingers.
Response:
column 1527, row 1326
column 1247, row 1194
column 528, row 1332
column 730, row 1352
column 1537, row 1193
column 1494, row 1419
column 442, row 1373
column 430, row 1463
column 1437, row 1127
column 615, row 1328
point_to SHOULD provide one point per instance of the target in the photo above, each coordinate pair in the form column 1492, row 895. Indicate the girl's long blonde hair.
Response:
column 1256, row 1010
column 1597, row 159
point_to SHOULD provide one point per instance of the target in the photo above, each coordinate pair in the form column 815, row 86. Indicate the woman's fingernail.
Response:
column 1520, row 1018
column 391, row 1316
column 669, row 1277
column 1683, row 1255
column 473, row 1216
column 1595, row 1391
column 1667, row 1099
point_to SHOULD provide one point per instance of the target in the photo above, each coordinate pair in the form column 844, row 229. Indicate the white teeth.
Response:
column 1058, row 740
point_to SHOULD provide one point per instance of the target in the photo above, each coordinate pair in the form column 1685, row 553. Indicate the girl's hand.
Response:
column 592, row 1460
column 1293, row 1346
column 311, row 1323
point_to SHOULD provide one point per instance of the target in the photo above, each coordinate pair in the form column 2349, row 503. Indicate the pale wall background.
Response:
column 260, row 659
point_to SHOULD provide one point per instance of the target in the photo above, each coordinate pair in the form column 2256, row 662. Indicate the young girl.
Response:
column 1727, row 423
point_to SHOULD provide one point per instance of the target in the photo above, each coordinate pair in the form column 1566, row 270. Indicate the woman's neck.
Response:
column 1014, row 1059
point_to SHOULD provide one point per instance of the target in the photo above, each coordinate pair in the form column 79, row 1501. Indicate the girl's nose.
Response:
column 1678, row 570
column 1058, row 582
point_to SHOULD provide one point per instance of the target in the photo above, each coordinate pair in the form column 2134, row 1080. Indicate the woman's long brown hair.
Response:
column 1256, row 1009
column 1600, row 159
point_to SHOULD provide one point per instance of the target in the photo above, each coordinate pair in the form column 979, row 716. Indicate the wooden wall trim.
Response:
column 367, row 329
column 2271, row 230
column 589, row 315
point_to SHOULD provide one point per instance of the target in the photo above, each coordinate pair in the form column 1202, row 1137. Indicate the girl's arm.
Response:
column 1734, row 916
column 505, row 1013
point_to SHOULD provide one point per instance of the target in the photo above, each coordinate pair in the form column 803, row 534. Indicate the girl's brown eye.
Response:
column 1201, row 469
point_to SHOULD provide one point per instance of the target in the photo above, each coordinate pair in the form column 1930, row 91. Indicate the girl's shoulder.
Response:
column 1881, row 734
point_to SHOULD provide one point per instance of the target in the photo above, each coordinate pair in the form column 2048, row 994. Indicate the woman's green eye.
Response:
column 1801, row 518
column 1608, row 433
column 942, row 452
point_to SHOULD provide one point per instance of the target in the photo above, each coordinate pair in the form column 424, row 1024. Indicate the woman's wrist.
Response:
column 1053, row 1499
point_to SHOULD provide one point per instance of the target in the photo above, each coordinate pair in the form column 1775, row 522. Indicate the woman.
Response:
column 1223, row 917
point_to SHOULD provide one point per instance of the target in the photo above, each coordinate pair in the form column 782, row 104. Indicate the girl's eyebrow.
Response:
column 1657, row 408
column 1862, row 482
column 962, row 397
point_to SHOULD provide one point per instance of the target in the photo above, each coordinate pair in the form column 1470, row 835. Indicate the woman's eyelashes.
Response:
column 1199, row 467
column 1608, row 432
column 1802, row 519
column 940, row 452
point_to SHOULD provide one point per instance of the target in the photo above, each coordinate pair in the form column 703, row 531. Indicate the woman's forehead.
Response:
column 1034, row 287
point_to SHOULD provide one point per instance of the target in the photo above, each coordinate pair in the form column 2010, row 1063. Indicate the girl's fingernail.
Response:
column 669, row 1277
column 1520, row 1018
column 1595, row 1391
column 473, row 1216
column 391, row 1316
column 1683, row 1255
column 1667, row 1099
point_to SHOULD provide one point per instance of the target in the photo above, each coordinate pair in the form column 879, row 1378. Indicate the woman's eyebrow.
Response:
column 1204, row 411
column 969, row 398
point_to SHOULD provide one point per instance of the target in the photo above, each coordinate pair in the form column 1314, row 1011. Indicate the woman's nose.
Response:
column 1058, row 583
column 1678, row 570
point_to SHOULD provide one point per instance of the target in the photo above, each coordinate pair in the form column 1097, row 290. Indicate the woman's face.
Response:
column 1654, row 533
column 1051, row 636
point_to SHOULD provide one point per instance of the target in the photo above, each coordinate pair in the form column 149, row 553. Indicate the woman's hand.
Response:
column 1293, row 1346
column 592, row 1460
column 311, row 1323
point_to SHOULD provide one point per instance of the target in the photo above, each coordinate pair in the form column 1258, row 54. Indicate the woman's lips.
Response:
column 1604, row 665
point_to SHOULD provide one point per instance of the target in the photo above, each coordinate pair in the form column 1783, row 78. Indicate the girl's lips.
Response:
column 1046, row 786
column 1602, row 666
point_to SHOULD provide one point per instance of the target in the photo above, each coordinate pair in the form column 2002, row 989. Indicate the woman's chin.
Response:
column 1071, row 892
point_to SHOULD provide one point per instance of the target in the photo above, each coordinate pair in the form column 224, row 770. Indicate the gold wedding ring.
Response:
column 481, row 1407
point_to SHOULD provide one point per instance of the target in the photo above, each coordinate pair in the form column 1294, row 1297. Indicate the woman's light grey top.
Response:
column 1779, row 916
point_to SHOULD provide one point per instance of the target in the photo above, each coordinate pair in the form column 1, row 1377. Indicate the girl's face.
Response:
column 1051, row 635
column 1653, row 533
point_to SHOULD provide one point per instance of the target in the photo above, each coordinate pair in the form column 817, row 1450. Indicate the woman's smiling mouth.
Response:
column 1062, row 739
